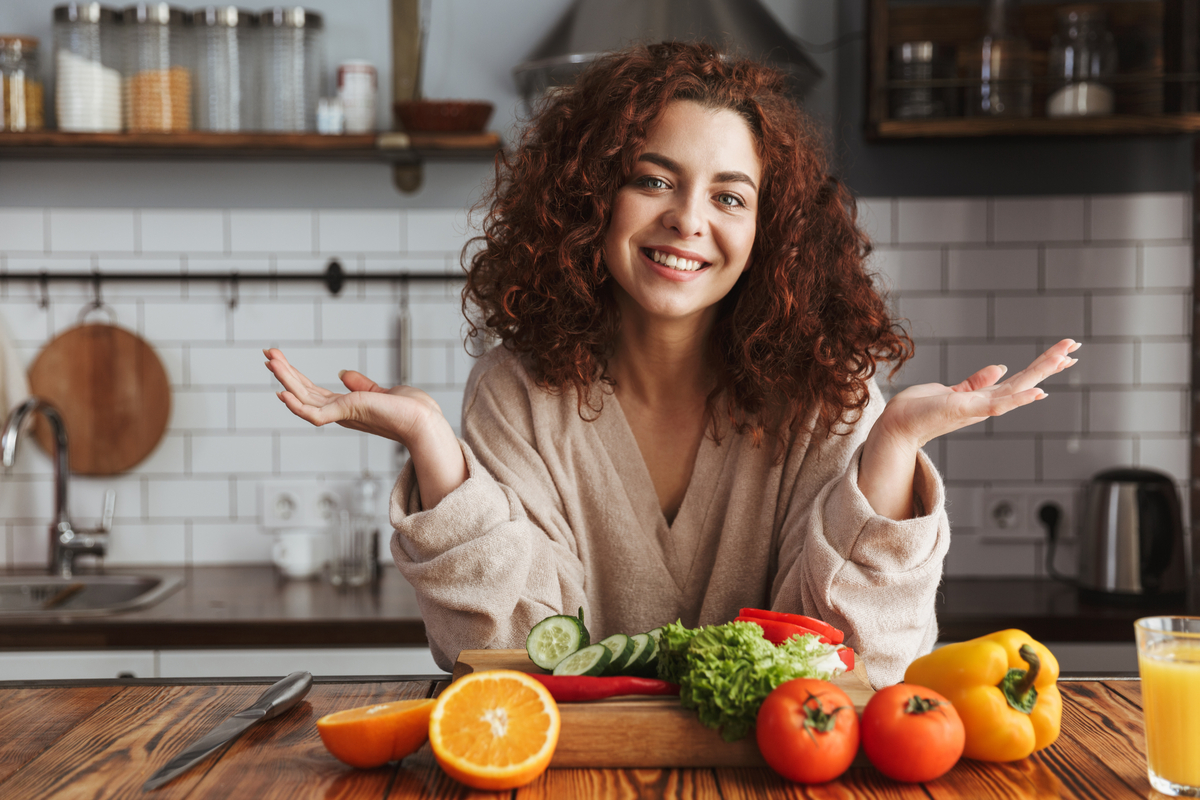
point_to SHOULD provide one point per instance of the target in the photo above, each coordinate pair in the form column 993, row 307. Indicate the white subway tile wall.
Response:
column 980, row 281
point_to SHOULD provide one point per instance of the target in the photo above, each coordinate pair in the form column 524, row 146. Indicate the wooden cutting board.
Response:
column 642, row 732
column 112, row 392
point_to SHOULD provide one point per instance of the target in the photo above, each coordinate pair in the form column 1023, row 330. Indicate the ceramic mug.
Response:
column 300, row 553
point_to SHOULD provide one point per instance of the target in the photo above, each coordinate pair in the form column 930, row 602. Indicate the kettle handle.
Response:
column 1159, row 516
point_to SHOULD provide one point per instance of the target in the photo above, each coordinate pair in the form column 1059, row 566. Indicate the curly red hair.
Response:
column 803, row 328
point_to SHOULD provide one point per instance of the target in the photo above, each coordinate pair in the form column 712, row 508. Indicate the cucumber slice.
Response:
column 655, row 634
column 649, row 664
column 621, row 646
column 643, row 646
column 590, row 660
column 555, row 638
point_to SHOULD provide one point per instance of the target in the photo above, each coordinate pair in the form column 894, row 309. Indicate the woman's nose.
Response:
column 685, row 216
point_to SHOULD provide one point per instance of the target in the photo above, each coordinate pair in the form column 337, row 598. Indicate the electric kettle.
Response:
column 1131, row 546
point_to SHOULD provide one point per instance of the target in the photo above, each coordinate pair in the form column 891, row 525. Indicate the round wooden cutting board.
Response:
column 112, row 391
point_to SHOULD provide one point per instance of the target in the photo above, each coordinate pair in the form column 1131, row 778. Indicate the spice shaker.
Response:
column 226, row 68
column 292, row 68
column 356, row 85
column 158, row 77
column 20, row 86
column 87, row 66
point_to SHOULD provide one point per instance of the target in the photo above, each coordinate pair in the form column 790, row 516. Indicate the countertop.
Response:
column 86, row 739
column 248, row 606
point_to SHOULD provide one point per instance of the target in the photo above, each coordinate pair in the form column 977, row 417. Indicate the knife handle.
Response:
column 283, row 695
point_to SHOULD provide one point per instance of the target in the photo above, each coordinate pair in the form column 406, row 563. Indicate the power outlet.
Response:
column 302, row 504
column 1066, row 501
column 1005, row 511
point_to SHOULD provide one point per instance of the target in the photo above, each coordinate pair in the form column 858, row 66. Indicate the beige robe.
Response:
column 558, row 513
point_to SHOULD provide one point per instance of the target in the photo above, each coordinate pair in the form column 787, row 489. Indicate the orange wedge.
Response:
column 371, row 736
column 495, row 729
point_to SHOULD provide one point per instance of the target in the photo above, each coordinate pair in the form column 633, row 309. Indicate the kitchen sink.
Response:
column 82, row 595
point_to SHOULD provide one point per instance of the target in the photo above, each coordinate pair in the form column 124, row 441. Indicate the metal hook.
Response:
column 44, row 285
column 97, row 304
column 233, row 290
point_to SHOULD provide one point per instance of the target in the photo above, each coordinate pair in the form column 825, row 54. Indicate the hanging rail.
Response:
column 334, row 277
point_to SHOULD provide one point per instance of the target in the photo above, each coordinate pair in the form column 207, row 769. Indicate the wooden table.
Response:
column 104, row 739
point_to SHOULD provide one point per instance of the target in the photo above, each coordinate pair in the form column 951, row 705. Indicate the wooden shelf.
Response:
column 1115, row 125
column 393, row 147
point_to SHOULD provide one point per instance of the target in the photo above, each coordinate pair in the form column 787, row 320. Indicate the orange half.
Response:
column 371, row 736
column 495, row 729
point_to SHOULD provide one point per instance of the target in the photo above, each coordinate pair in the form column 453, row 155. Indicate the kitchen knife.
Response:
column 273, row 702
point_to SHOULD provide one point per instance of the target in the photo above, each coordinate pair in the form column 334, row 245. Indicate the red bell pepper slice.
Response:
column 582, row 688
column 847, row 657
column 777, row 632
column 815, row 625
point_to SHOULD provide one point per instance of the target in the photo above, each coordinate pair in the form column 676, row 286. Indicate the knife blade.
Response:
column 273, row 702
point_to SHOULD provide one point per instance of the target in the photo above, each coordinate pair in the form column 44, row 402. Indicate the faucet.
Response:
column 65, row 542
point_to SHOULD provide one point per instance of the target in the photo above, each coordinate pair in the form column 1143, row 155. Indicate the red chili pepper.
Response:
column 815, row 625
column 847, row 657
column 576, row 688
column 778, row 632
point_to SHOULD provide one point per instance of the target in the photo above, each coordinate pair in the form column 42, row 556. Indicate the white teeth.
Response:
column 675, row 262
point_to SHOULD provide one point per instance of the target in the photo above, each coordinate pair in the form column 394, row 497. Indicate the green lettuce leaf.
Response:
column 725, row 671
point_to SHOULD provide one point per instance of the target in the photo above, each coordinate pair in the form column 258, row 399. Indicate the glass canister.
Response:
column 158, row 75
column 21, row 93
column 226, row 44
column 87, row 67
column 293, row 68
column 1082, row 55
column 1000, row 67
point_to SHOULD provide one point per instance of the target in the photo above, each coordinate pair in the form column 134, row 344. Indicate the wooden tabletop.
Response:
column 105, row 740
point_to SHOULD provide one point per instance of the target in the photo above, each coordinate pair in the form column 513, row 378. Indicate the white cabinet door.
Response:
column 390, row 661
column 71, row 664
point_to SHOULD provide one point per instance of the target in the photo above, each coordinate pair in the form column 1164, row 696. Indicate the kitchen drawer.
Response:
column 72, row 664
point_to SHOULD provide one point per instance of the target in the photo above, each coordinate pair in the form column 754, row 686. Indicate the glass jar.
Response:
column 158, row 77
column 293, row 68
column 921, row 64
column 226, row 68
column 21, row 108
column 1001, row 83
column 87, row 67
column 1082, row 55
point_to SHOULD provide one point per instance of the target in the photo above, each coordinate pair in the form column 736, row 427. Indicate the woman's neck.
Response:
column 662, row 363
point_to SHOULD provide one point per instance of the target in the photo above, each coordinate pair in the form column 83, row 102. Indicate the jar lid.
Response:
column 85, row 12
column 155, row 14
column 290, row 17
column 223, row 16
column 22, row 43
column 914, row 52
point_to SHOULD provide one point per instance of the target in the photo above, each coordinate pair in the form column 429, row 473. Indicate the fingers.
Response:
column 981, row 379
column 357, row 382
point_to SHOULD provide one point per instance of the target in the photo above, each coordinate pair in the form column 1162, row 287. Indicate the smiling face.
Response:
column 683, row 224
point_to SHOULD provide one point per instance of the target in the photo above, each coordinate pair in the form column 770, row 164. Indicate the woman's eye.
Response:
column 731, row 200
column 651, row 182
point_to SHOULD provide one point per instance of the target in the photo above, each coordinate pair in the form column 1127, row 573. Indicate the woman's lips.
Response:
column 671, row 273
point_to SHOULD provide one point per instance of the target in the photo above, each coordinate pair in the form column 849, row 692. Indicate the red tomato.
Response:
column 911, row 733
column 815, row 625
column 847, row 657
column 779, row 632
column 807, row 730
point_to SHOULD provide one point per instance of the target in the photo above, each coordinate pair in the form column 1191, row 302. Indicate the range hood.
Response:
column 591, row 28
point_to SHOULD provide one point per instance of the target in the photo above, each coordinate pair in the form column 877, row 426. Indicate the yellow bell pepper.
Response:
column 1008, row 710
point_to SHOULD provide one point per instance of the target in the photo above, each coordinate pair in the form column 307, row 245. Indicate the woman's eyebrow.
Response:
column 732, row 176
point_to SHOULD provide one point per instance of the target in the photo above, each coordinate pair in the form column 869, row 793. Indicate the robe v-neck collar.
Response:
column 679, row 541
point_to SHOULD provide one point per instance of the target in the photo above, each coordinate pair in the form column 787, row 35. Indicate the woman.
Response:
column 681, row 417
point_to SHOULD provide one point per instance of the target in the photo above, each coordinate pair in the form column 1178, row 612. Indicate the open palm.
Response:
column 924, row 412
column 397, row 413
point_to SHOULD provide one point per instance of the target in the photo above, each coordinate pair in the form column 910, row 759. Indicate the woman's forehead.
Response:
column 694, row 136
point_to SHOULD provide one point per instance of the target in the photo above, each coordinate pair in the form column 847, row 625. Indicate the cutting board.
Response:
column 634, row 732
column 112, row 392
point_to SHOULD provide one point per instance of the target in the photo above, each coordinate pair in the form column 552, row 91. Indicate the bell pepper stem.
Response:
column 1017, row 685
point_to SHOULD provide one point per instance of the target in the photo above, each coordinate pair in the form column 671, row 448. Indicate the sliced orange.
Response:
column 371, row 736
column 495, row 729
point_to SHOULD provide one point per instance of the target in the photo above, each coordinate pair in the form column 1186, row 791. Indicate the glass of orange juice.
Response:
column 1169, row 663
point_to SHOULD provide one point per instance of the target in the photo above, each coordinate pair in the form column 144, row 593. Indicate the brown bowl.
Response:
column 442, row 116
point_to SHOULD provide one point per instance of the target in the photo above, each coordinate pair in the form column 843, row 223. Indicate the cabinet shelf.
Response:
column 1157, row 88
column 392, row 148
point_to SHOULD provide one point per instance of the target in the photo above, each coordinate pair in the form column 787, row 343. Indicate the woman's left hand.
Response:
column 921, row 413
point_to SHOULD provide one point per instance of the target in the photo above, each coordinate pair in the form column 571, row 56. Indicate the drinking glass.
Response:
column 351, row 561
column 1169, row 663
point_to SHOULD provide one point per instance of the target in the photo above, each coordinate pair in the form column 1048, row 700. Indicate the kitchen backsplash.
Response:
column 982, row 280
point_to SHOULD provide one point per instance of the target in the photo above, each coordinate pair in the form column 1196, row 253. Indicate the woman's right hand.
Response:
column 403, row 414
